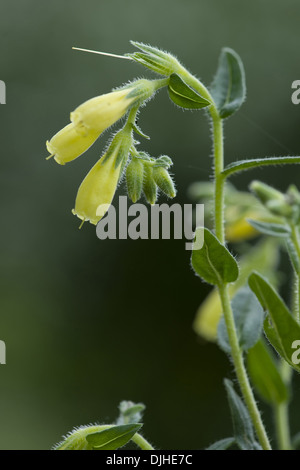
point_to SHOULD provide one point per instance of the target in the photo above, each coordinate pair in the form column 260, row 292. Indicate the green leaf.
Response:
column 265, row 375
column 138, row 131
column 213, row 262
column 293, row 255
column 243, row 165
column 223, row 444
column 229, row 85
column 271, row 335
column 113, row 438
column 183, row 95
column 296, row 441
column 283, row 330
column 248, row 317
column 275, row 230
column 242, row 424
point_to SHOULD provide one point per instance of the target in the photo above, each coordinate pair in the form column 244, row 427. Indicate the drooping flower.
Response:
column 93, row 117
column 101, row 112
column 97, row 190
column 67, row 144
column 89, row 120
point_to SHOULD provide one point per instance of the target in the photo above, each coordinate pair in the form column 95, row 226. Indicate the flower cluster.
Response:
column 88, row 122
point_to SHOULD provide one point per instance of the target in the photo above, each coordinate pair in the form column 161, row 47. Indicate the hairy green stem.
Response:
column 219, row 178
column 240, row 370
column 282, row 426
column 236, row 352
column 243, row 165
column 281, row 411
column 141, row 442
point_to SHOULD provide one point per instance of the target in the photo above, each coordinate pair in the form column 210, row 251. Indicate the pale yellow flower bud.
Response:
column 97, row 190
column 101, row 112
column 67, row 144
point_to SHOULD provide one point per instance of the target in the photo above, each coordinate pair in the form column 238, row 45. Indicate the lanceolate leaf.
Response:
column 112, row 438
column 242, row 424
column 229, row 85
column 213, row 262
column 223, row 444
column 265, row 375
column 283, row 329
column 293, row 255
column 183, row 95
column 275, row 230
column 248, row 316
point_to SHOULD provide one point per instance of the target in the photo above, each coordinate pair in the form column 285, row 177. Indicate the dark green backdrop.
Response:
column 89, row 323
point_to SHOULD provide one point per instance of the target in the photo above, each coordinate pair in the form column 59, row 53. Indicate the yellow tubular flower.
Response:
column 67, row 144
column 101, row 112
column 97, row 190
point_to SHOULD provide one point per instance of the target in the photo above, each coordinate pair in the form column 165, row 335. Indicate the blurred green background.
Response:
column 88, row 323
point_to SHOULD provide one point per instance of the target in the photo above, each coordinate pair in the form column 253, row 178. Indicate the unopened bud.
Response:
column 293, row 194
column 155, row 59
column 280, row 208
column 164, row 181
column 266, row 193
column 134, row 179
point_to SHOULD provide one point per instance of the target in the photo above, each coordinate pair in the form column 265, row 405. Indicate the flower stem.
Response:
column 240, row 369
column 236, row 352
column 281, row 411
column 219, row 178
column 282, row 426
column 141, row 442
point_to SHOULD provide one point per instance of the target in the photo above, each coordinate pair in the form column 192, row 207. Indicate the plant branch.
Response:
column 242, row 165
column 141, row 442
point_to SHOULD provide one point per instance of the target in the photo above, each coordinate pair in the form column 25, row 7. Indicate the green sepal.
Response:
column 138, row 131
column 155, row 59
column 164, row 181
column 229, row 85
column 114, row 437
column 213, row 262
column 283, row 329
column 121, row 142
column 163, row 161
column 183, row 95
column 149, row 185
